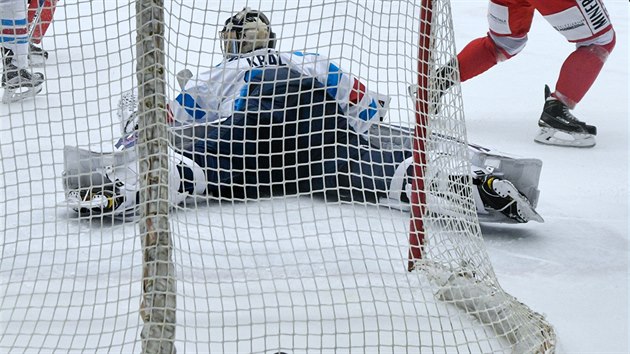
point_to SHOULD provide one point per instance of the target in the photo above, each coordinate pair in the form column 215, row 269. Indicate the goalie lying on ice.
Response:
column 267, row 123
column 289, row 136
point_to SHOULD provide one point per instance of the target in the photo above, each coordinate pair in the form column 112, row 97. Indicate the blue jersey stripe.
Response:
column 13, row 22
column 190, row 105
column 241, row 101
column 368, row 113
column 332, row 81
column 14, row 40
column 301, row 54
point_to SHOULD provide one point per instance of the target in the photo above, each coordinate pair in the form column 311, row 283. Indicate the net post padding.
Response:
column 158, row 274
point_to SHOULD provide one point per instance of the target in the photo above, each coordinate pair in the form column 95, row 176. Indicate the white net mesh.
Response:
column 299, row 248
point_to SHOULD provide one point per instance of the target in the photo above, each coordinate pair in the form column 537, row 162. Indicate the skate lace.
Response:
column 569, row 116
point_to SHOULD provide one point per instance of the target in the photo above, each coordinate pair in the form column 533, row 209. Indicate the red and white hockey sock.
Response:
column 579, row 72
column 477, row 57
column 40, row 15
column 14, row 31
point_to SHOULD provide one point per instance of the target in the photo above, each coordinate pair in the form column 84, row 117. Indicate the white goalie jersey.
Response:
column 199, row 102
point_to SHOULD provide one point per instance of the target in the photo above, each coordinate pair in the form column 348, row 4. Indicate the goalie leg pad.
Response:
column 185, row 178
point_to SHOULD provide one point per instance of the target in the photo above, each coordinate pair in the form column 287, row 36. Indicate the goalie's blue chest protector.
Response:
column 289, row 136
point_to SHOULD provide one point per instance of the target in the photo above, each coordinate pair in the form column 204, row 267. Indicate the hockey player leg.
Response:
column 515, row 179
column 17, row 80
column 40, row 15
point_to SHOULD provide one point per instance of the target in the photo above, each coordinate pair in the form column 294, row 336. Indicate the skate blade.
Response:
column 11, row 95
column 550, row 136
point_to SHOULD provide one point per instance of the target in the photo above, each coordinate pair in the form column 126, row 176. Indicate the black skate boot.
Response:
column 559, row 127
column 444, row 79
column 18, row 83
column 37, row 56
column 501, row 195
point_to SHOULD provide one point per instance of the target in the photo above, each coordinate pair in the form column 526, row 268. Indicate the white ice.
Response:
column 573, row 268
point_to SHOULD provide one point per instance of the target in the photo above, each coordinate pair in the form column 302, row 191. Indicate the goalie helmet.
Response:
column 246, row 31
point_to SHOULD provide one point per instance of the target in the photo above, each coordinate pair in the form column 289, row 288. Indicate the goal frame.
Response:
column 359, row 234
column 418, row 198
column 159, row 288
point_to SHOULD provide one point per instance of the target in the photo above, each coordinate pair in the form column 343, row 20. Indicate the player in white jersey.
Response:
column 17, row 79
column 217, row 92
column 288, row 123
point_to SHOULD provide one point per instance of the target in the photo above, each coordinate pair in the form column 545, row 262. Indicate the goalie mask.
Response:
column 246, row 31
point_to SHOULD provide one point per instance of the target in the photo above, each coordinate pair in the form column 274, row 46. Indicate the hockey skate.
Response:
column 501, row 195
column 494, row 195
column 18, row 83
column 97, row 183
column 37, row 56
column 559, row 127
column 440, row 84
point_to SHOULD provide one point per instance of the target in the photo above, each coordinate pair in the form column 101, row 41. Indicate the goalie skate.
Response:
column 502, row 196
column 98, row 184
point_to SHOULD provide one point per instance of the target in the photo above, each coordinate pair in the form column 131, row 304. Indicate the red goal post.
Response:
column 418, row 199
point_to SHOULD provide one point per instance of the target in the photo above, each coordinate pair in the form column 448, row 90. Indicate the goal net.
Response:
column 320, row 229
